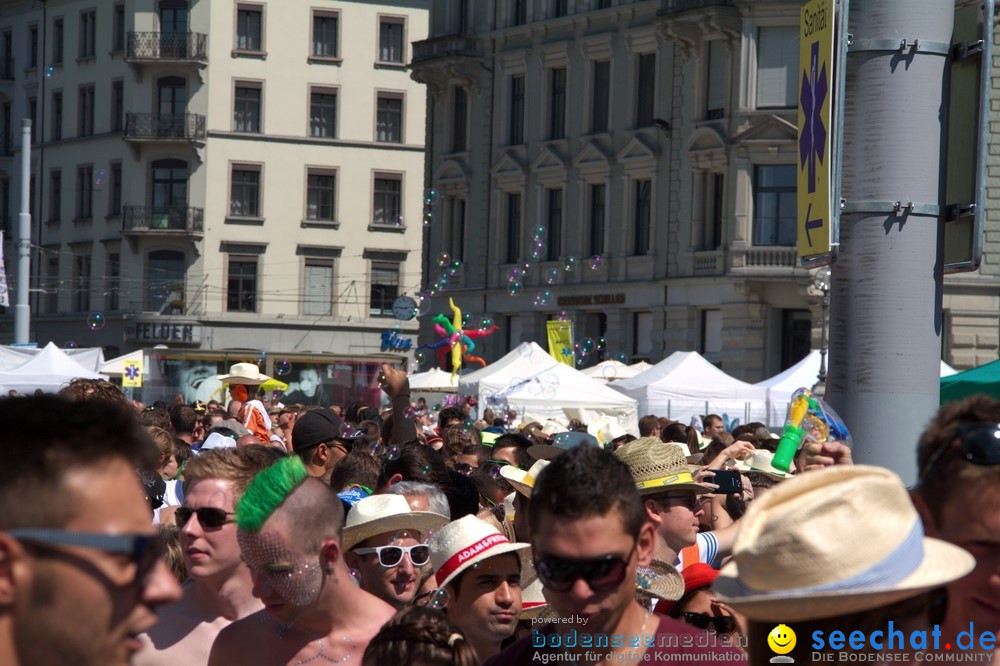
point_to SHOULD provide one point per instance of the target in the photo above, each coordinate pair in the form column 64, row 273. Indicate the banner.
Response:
column 560, row 335
column 4, row 296
column 132, row 374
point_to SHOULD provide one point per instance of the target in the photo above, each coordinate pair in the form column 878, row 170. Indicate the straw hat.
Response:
column 761, row 462
column 533, row 601
column 243, row 373
column 523, row 482
column 659, row 580
column 561, row 443
column 798, row 554
column 469, row 540
column 657, row 467
column 380, row 514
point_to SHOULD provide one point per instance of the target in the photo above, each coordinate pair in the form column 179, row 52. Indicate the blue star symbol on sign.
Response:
column 812, row 141
column 132, row 372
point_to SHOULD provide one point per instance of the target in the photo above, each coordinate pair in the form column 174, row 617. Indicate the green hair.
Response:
column 267, row 491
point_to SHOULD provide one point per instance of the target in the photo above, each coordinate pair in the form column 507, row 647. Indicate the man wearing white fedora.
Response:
column 384, row 541
column 244, row 379
column 484, row 575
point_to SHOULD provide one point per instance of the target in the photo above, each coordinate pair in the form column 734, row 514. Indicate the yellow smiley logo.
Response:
column 781, row 640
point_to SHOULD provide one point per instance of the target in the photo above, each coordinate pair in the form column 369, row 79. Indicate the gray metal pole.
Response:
column 886, row 286
column 22, row 310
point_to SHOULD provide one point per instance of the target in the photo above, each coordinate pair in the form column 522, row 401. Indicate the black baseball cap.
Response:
column 321, row 425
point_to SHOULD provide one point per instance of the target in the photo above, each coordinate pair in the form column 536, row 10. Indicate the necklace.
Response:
column 327, row 658
column 283, row 630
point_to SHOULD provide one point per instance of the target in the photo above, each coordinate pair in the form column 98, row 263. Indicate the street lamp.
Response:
column 821, row 283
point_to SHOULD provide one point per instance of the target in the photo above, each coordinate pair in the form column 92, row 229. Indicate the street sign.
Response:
column 816, row 88
column 132, row 374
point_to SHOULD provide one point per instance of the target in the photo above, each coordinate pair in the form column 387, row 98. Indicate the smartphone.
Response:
column 728, row 480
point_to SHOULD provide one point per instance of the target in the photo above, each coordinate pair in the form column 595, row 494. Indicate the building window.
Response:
column 33, row 46
column 602, row 4
column 557, row 103
column 645, row 85
column 601, row 98
column 115, row 195
column 389, row 120
column 715, row 89
column 715, row 202
column 559, row 8
column 118, row 28
column 114, row 271
column 55, row 195
column 516, row 128
column 796, row 333
column 323, row 114
column 513, row 249
column 57, row 115
column 85, row 111
column 774, row 211
column 642, row 333
column 244, row 201
column 164, row 279
column 249, row 28
column 596, row 220
column 459, row 126
column 81, row 282
column 519, row 12
column 241, row 287
column 388, row 204
column 117, row 106
column 457, row 244
column 88, row 29
column 246, row 111
column 554, row 215
column 384, row 289
column 321, row 196
column 643, row 211
column 317, row 279
column 325, row 35
column 58, row 40
column 390, row 41
column 52, row 286
column 711, row 335
column 85, row 192
column 170, row 185
column 777, row 67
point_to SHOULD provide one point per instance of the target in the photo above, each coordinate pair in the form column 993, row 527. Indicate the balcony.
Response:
column 446, row 46
column 442, row 60
column 167, row 47
column 765, row 260
column 668, row 7
column 154, row 220
column 165, row 127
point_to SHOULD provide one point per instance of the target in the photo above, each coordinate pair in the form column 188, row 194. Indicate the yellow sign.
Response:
column 132, row 374
column 815, row 128
column 560, row 334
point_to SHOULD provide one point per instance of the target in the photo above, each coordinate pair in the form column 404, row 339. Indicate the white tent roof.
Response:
column 12, row 357
column 49, row 370
column 116, row 366
column 684, row 385
column 434, row 379
column 532, row 382
column 610, row 371
column 947, row 370
column 641, row 366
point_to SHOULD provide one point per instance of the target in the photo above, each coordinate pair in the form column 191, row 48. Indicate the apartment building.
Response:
column 217, row 175
column 631, row 165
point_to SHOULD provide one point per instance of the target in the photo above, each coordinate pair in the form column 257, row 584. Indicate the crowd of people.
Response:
column 255, row 533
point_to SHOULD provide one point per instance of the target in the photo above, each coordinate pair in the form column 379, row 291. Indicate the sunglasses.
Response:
column 209, row 517
column 689, row 500
column 392, row 556
column 145, row 550
column 600, row 573
column 980, row 445
column 720, row 624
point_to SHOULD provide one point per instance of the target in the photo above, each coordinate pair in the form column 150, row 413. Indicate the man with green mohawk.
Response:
column 288, row 528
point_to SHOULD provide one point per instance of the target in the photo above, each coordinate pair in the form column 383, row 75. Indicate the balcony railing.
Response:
column 6, row 69
column 172, row 46
column 676, row 6
column 446, row 46
column 165, row 126
column 155, row 219
column 771, row 257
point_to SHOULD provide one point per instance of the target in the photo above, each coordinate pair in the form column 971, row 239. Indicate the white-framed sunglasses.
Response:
column 391, row 556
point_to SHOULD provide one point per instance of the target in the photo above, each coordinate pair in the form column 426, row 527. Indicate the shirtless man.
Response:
column 219, row 590
column 289, row 534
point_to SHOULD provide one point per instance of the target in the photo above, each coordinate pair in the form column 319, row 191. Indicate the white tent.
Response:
column 532, row 382
column 434, row 380
column 116, row 366
column 947, row 370
column 49, row 370
column 12, row 357
column 610, row 371
column 641, row 366
column 684, row 385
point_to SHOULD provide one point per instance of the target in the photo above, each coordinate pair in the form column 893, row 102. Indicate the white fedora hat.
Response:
column 243, row 373
column 841, row 540
column 523, row 482
column 533, row 601
column 760, row 461
column 380, row 514
column 468, row 540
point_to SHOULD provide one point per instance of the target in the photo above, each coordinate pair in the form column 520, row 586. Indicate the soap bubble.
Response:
column 563, row 316
column 282, row 368
column 514, row 273
column 587, row 345
column 601, row 344
column 100, row 178
column 622, row 357
column 439, row 599
column 609, row 371
column 430, row 196
column 95, row 321
column 423, row 300
column 543, row 297
column 515, row 288
column 596, row 262
column 552, row 275
column 420, row 356
column 538, row 234
column 443, row 259
column 570, row 264
column 537, row 250
column 392, row 454
column 69, row 344
column 455, row 267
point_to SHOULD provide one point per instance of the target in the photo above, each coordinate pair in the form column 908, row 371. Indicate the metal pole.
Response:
column 825, row 306
column 885, row 319
column 22, row 310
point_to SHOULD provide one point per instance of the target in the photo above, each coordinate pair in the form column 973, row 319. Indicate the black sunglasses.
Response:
column 689, row 500
column 720, row 624
column 209, row 517
column 600, row 573
column 980, row 445
column 145, row 550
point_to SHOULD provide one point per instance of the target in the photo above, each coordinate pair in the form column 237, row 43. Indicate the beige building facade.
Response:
column 217, row 175
column 658, row 136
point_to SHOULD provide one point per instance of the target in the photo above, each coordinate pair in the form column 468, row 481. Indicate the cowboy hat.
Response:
column 561, row 443
column 658, row 467
column 380, row 514
column 798, row 555
column 469, row 540
column 523, row 482
column 243, row 373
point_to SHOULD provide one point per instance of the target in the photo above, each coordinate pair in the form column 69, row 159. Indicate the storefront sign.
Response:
column 592, row 299
column 392, row 341
column 153, row 332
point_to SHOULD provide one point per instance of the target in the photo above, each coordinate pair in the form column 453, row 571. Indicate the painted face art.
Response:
column 279, row 570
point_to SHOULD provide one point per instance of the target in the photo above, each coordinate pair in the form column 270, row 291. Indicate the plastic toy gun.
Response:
column 808, row 418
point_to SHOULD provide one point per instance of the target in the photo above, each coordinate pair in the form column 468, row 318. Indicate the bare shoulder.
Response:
column 377, row 614
column 236, row 641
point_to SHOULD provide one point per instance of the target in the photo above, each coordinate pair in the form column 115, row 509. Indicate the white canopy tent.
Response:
column 49, row 371
column 532, row 382
column 609, row 371
column 434, row 379
column 116, row 367
column 641, row 366
column 12, row 357
column 685, row 385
